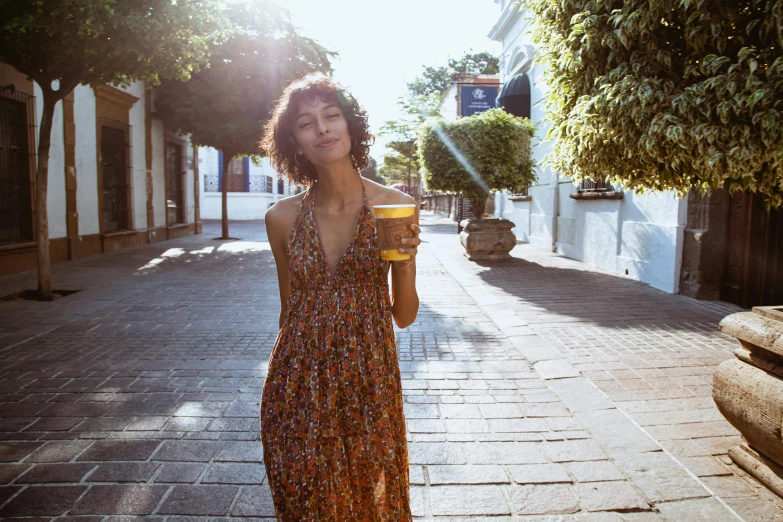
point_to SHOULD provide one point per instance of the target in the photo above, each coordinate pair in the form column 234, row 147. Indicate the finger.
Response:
column 415, row 228
column 414, row 241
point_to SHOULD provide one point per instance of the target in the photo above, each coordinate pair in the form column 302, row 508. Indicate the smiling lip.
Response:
column 328, row 142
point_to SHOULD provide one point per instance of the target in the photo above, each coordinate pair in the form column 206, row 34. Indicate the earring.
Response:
column 296, row 160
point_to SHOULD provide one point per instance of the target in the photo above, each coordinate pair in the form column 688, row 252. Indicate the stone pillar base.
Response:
column 759, row 467
column 487, row 239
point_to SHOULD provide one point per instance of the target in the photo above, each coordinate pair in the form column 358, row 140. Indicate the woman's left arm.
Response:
column 405, row 300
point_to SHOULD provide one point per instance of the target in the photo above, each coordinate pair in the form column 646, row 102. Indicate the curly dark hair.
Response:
column 277, row 141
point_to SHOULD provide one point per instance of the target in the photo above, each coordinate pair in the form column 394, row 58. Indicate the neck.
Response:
column 337, row 184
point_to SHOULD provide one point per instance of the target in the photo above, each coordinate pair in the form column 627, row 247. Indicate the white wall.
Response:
column 86, row 160
column 55, row 199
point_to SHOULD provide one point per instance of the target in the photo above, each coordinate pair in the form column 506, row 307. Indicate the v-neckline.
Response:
column 331, row 269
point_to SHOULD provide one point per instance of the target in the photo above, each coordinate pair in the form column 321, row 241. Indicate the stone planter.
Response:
column 748, row 391
column 489, row 238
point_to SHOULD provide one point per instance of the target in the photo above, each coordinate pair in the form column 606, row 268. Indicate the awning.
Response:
column 515, row 96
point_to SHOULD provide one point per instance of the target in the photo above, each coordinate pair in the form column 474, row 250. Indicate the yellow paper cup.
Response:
column 393, row 224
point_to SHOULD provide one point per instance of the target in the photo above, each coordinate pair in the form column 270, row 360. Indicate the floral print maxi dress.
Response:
column 332, row 423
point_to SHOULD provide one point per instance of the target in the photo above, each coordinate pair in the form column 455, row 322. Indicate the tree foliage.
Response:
column 475, row 155
column 666, row 94
column 63, row 43
column 371, row 172
column 227, row 104
column 435, row 80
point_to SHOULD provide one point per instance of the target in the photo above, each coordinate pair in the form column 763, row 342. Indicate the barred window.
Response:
column 17, row 166
column 590, row 185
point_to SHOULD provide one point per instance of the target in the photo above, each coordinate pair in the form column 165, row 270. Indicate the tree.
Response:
column 475, row 155
column 371, row 172
column 476, row 63
column 666, row 94
column 226, row 105
column 435, row 80
column 63, row 43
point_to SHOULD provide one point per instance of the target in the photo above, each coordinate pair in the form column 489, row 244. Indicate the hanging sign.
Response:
column 477, row 98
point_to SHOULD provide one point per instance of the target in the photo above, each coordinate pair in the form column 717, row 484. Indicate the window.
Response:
column 17, row 164
column 175, row 182
column 280, row 186
column 590, row 185
column 268, row 186
column 115, row 175
column 236, row 175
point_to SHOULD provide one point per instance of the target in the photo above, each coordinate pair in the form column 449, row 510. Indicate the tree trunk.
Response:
column 227, row 157
column 479, row 204
column 50, row 99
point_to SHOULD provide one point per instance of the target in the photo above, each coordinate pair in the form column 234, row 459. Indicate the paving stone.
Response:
column 435, row 453
column 234, row 474
column 199, row 500
column 460, row 411
column 124, row 472
column 610, row 496
column 573, row 451
column 240, row 451
column 78, row 409
column 187, row 451
column 15, row 451
column 578, row 394
column 539, row 474
column 417, row 475
column 55, row 424
column 42, row 500
column 595, row 471
column 108, row 450
column 467, row 426
column 517, row 425
column 504, row 453
column 730, row 486
column 695, row 510
column 659, row 477
column 50, row 473
column 59, row 451
column 706, row 466
column 615, row 432
column 8, row 472
column 175, row 472
column 468, row 500
column 420, row 411
column 425, row 426
column 500, row 411
column 254, row 502
column 544, row 499
column 119, row 500
column 151, row 423
column 555, row 369
column 467, row 475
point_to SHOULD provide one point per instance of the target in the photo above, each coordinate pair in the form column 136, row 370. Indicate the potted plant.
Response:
column 474, row 156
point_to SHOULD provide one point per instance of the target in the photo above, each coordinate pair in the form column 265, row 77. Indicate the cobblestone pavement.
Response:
column 535, row 389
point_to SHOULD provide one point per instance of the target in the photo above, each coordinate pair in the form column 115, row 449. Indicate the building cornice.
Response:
column 510, row 15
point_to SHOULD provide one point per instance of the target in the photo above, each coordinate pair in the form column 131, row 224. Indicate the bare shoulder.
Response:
column 282, row 214
column 381, row 195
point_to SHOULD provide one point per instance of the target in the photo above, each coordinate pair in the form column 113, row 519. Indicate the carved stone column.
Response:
column 748, row 391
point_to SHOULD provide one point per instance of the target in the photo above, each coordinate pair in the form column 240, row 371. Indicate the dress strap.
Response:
column 303, row 208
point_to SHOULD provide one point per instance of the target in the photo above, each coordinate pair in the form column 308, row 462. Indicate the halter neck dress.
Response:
column 332, row 424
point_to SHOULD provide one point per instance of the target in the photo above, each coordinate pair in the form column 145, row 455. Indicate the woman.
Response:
column 332, row 423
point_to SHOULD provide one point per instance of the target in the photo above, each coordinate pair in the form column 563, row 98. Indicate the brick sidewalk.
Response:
column 533, row 387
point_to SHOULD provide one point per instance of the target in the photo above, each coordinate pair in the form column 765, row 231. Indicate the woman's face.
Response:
column 321, row 132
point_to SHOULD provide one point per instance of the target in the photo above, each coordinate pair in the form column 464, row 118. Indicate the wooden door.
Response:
column 115, row 183
column 753, row 274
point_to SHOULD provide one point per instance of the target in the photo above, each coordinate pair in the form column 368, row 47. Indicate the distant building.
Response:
column 252, row 189
column 117, row 176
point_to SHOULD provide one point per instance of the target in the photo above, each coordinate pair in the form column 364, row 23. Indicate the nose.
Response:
column 322, row 128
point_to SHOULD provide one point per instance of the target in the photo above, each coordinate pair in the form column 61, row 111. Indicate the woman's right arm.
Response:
column 277, row 231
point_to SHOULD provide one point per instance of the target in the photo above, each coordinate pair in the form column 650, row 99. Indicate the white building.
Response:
column 639, row 236
column 117, row 177
column 252, row 188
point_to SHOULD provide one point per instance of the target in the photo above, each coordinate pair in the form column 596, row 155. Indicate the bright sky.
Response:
column 384, row 44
